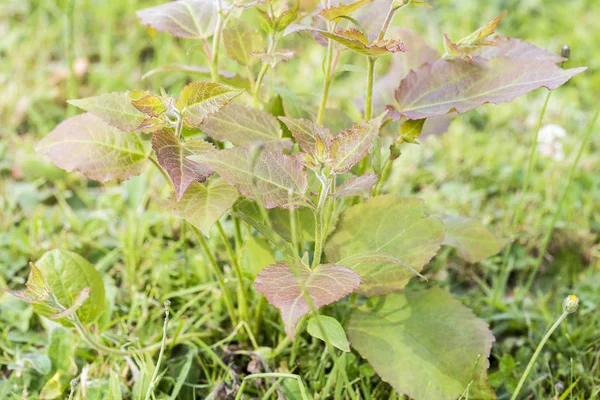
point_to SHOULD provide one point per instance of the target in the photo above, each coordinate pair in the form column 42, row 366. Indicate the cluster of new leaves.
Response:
column 424, row 344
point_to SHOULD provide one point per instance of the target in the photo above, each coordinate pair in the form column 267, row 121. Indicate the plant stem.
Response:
column 536, row 354
column 70, row 52
column 155, row 376
column 213, row 263
column 263, row 70
column 387, row 22
column 560, row 203
column 319, row 234
column 242, row 300
column 214, row 69
column 327, row 82
column 369, row 92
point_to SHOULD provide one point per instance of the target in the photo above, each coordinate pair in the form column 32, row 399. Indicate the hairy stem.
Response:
column 215, row 267
column 369, row 91
column 327, row 82
column 560, row 203
column 214, row 68
column 536, row 354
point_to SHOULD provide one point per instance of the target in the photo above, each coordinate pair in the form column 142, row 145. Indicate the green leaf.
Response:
column 62, row 350
column 114, row 385
column 67, row 275
column 115, row 109
column 390, row 226
column 455, row 85
column 183, row 18
column 172, row 157
column 284, row 288
column 343, row 10
column 199, row 100
column 202, row 206
column 151, row 105
column 333, row 330
column 473, row 240
column 351, row 146
column 312, row 138
column 96, row 150
column 56, row 386
column 279, row 180
column 242, row 125
column 425, row 344
column 410, row 130
column 241, row 40
column 256, row 255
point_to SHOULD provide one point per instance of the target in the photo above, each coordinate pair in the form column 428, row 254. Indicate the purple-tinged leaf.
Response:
column 425, row 344
column 242, row 125
column 173, row 157
column 351, row 146
column 388, row 226
column 151, row 105
column 190, row 19
column 200, row 100
column 98, row 151
column 324, row 285
column 203, row 205
column 356, row 186
column 456, row 85
column 37, row 289
column 270, row 175
column 312, row 138
column 113, row 108
column 473, row 240
column 516, row 48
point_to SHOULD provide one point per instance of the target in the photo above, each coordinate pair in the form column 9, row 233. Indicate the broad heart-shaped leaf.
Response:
column 425, row 344
column 242, row 125
column 68, row 275
column 473, row 240
column 182, row 18
column 418, row 53
column 516, row 48
column 312, row 138
column 279, row 180
column 351, row 146
column 356, row 186
column 388, row 225
column 199, row 100
column 456, row 85
column 241, row 40
column 202, row 206
column 98, row 151
column 115, row 109
column 333, row 330
column 343, row 10
column 283, row 288
column 172, row 156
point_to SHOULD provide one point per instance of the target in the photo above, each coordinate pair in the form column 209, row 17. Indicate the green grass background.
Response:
column 147, row 256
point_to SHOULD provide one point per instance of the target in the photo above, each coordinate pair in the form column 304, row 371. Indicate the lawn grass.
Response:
column 147, row 255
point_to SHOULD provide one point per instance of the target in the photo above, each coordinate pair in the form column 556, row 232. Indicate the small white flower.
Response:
column 550, row 141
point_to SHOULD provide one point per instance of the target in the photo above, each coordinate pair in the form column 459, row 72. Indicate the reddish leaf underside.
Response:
column 182, row 18
column 325, row 284
column 356, row 186
column 456, row 85
column 352, row 145
column 173, row 157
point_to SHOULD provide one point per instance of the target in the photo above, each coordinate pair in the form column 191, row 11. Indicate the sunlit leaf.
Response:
column 56, row 385
column 456, row 85
column 343, row 10
column 242, row 125
column 515, row 48
column 426, row 345
column 283, row 288
column 356, row 186
column 173, row 157
column 390, row 225
column 203, row 205
column 199, row 100
column 98, row 151
column 473, row 240
column 351, row 146
column 333, row 331
column 240, row 41
column 279, row 180
column 113, row 108
column 150, row 105
column 182, row 18
column 411, row 130
column 312, row 138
